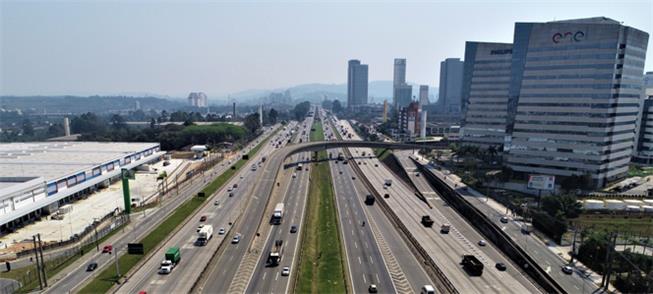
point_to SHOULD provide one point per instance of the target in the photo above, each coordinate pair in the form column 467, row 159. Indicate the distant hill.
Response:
column 315, row 92
column 76, row 104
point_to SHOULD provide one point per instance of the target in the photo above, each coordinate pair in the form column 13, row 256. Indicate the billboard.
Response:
column 541, row 182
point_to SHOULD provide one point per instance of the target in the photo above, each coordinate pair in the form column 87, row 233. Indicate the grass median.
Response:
column 107, row 278
column 321, row 267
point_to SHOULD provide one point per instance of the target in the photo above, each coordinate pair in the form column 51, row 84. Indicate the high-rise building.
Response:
column 648, row 83
column 399, row 79
column 451, row 80
column 403, row 95
column 486, row 81
column 197, row 99
column 422, row 125
column 645, row 135
column 574, row 98
column 385, row 110
column 356, row 84
column 409, row 121
column 423, row 95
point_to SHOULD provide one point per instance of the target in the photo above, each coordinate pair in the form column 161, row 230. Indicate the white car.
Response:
column 236, row 239
column 294, row 175
column 567, row 270
column 166, row 269
column 482, row 243
column 285, row 271
column 221, row 231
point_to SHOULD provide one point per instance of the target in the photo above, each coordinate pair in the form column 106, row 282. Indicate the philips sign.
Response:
column 568, row 37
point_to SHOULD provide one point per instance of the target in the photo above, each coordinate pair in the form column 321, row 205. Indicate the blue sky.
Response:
column 220, row 47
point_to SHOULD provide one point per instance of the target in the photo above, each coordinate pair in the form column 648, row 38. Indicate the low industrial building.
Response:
column 37, row 178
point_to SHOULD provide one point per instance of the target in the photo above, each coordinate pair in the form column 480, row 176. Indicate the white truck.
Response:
column 204, row 235
column 277, row 215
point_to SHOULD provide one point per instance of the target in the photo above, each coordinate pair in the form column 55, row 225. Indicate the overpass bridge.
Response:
column 274, row 164
column 323, row 145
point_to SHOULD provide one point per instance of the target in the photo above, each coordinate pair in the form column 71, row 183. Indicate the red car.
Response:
column 203, row 218
column 107, row 249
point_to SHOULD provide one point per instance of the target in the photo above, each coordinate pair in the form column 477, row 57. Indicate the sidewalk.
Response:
column 561, row 251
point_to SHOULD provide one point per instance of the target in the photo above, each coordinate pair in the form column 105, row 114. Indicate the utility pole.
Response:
column 97, row 245
column 38, row 265
column 45, row 276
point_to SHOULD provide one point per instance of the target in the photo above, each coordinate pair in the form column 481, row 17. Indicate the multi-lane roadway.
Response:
column 141, row 224
column 445, row 249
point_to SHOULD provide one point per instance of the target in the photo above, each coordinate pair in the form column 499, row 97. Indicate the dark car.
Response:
column 107, row 249
column 293, row 229
column 500, row 266
column 91, row 266
column 203, row 218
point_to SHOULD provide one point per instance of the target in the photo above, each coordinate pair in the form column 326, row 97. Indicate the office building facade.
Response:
column 645, row 143
column 486, row 81
column 450, row 91
column 398, row 79
column 403, row 95
column 575, row 98
column 357, row 78
column 198, row 99
column 423, row 95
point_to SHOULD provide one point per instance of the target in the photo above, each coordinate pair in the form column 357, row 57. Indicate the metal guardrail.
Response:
column 492, row 232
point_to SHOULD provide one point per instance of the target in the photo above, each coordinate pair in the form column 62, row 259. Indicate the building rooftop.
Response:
column 54, row 160
column 589, row 20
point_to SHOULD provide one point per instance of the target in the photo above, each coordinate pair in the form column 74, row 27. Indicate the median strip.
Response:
column 107, row 278
column 321, row 268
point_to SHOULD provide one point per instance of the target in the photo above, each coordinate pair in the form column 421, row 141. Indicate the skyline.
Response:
column 220, row 48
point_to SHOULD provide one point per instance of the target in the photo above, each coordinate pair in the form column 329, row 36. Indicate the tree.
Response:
column 55, row 130
column 337, row 107
column 28, row 128
column 272, row 116
column 152, row 123
column 301, row 110
column 565, row 206
column 252, row 123
column 118, row 122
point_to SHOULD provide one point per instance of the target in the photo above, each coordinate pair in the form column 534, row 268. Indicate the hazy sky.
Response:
column 220, row 47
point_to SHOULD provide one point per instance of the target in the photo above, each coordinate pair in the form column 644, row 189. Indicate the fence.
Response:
column 56, row 260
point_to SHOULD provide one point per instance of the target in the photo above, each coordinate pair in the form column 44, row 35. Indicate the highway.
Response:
column 538, row 250
column 193, row 257
column 140, row 226
column 268, row 279
column 445, row 249
column 366, row 262
column 223, row 272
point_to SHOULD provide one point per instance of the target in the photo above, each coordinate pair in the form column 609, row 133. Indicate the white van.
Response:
column 428, row 289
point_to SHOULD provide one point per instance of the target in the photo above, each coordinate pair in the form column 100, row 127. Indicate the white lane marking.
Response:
column 276, row 277
column 359, row 260
column 355, row 244
column 364, row 279
column 371, row 260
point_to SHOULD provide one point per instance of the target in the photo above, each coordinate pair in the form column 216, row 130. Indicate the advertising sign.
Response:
column 541, row 182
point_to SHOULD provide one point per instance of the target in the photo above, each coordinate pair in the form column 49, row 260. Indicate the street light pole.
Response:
column 97, row 245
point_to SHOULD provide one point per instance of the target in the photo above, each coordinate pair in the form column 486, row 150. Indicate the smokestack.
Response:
column 234, row 111
column 422, row 131
column 66, row 126
column 260, row 114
